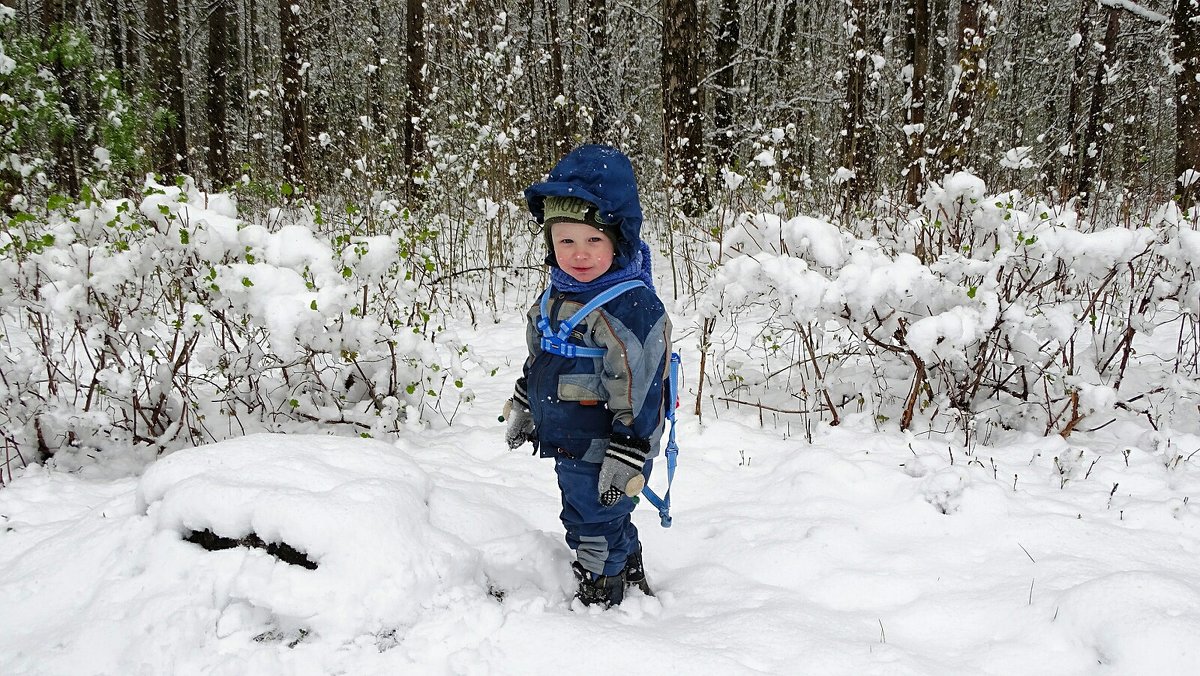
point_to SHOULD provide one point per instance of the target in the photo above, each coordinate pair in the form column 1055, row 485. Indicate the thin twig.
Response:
column 1026, row 552
column 763, row 407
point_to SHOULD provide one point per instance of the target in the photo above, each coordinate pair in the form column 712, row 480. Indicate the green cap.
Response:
column 558, row 209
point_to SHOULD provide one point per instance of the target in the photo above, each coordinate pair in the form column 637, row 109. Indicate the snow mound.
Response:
column 1135, row 621
column 356, row 508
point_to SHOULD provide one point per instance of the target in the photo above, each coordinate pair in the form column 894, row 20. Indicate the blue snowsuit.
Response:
column 579, row 404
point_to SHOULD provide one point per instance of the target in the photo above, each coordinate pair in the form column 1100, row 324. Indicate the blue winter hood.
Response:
column 603, row 176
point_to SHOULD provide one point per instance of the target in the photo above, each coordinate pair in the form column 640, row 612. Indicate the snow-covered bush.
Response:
column 169, row 321
column 978, row 308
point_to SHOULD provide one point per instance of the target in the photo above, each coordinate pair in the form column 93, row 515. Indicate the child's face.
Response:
column 582, row 251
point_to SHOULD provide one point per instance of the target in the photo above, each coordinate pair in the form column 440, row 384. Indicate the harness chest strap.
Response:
column 556, row 342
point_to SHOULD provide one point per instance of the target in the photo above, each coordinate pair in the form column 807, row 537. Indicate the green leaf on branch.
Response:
column 56, row 202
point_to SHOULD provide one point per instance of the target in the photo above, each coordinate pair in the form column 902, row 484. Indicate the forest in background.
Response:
column 450, row 100
column 225, row 217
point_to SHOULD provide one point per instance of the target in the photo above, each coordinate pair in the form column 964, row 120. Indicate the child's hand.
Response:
column 621, row 471
column 520, row 426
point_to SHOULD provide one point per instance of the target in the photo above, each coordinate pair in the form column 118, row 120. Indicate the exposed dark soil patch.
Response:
column 280, row 550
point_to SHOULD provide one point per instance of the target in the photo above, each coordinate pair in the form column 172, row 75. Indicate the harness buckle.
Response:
column 558, row 346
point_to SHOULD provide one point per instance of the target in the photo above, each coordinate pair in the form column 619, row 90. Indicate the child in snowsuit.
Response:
column 600, row 418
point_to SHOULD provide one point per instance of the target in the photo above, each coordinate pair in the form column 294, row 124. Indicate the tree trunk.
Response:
column 1186, row 54
column 939, row 62
column 854, row 140
column 1074, row 98
column 218, row 95
column 371, row 153
column 917, row 44
column 786, row 50
column 683, row 106
column 57, row 16
column 417, row 101
column 728, row 35
column 316, row 45
column 765, row 45
column 971, row 69
column 292, row 101
column 562, row 126
column 112, row 31
column 1093, row 136
column 598, row 37
column 166, row 77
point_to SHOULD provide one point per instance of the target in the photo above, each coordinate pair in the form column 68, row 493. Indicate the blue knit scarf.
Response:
column 639, row 268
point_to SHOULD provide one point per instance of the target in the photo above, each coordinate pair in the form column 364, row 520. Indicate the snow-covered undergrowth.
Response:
column 862, row 553
column 169, row 321
column 978, row 311
column 1010, row 488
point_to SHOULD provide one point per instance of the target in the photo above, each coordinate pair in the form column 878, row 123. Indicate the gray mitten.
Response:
column 520, row 421
column 520, row 427
column 621, row 471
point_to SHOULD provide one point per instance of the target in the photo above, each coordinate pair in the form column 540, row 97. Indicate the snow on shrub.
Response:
column 993, row 308
column 169, row 321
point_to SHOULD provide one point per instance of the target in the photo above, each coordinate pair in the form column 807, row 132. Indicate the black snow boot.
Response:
column 607, row 590
column 635, row 574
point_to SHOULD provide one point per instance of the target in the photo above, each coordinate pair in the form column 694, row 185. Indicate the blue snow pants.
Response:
column 602, row 537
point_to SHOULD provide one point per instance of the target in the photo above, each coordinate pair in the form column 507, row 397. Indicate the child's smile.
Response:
column 581, row 250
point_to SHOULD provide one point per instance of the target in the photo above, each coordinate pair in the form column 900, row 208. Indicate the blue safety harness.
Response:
column 557, row 343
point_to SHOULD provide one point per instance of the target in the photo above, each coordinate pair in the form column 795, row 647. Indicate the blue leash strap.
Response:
column 663, row 504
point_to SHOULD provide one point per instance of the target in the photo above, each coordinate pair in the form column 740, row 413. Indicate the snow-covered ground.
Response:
column 863, row 553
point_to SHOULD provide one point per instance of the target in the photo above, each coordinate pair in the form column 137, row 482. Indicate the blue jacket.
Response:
column 579, row 404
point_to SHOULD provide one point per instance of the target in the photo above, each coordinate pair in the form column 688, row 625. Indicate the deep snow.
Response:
column 866, row 552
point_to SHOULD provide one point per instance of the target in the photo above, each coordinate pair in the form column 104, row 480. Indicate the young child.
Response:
column 600, row 417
